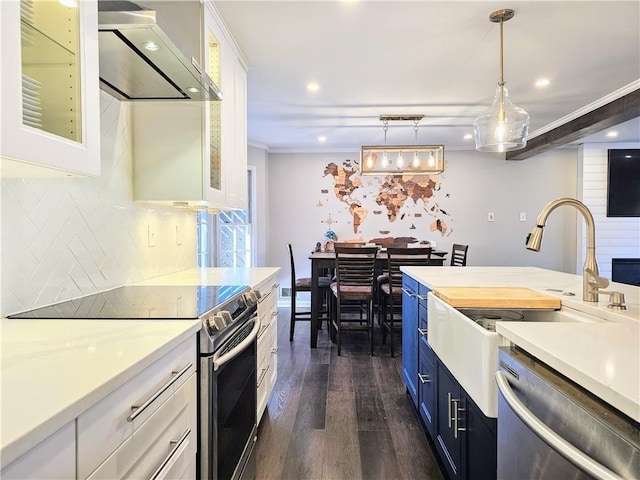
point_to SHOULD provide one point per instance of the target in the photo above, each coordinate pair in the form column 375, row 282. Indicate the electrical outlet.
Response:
column 490, row 217
column 523, row 216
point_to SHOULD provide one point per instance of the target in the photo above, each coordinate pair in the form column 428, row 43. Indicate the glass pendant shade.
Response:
column 503, row 127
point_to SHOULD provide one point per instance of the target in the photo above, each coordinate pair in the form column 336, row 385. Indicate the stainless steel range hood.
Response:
column 138, row 60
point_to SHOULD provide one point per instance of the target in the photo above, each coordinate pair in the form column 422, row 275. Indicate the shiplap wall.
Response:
column 616, row 237
column 67, row 237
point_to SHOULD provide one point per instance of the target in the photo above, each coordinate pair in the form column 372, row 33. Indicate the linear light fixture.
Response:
column 401, row 159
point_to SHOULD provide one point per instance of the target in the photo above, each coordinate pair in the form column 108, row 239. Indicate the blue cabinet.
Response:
column 465, row 440
column 426, row 365
column 410, row 337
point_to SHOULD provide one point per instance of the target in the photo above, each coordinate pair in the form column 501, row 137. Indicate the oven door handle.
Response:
column 551, row 438
column 233, row 353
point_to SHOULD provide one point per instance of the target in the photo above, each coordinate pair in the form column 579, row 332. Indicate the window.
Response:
column 234, row 239
column 225, row 239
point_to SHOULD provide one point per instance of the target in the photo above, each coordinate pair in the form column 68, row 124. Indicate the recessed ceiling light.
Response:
column 193, row 89
column 542, row 82
column 69, row 3
column 151, row 46
column 322, row 139
column 468, row 136
column 612, row 134
column 313, row 87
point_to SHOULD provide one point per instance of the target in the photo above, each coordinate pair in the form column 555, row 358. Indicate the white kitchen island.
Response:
column 603, row 357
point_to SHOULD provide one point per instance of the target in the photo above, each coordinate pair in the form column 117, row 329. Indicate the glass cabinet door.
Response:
column 50, row 91
column 215, row 114
column 50, row 45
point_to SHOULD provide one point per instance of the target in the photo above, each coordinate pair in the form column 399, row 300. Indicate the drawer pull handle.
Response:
column 274, row 313
column 422, row 297
column 275, row 350
column 262, row 375
column 177, row 448
column 424, row 378
column 424, row 332
column 138, row 409
column 408, row 293
column 265, row 296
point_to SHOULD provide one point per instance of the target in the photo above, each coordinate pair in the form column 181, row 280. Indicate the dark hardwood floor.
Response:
column 344, row 417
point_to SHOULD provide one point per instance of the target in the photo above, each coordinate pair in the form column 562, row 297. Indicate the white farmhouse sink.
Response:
column 470, row 352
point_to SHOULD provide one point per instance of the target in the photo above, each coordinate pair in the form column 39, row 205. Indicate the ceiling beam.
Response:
column 618, row 111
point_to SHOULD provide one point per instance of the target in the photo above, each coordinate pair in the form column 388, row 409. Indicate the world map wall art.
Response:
column 380, row 209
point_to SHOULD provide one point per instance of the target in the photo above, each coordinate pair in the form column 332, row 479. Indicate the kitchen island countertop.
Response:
column 603, row 357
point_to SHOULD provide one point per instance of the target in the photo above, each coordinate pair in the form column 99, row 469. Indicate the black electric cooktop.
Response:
column 142, row 302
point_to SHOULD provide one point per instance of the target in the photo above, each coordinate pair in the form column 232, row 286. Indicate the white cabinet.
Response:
column 151, row 417
column 53, row 458
column 236, row 172
column 50, row 92
column 267, row 343
column 189, row 153
column 163, row 447
column 226, row 130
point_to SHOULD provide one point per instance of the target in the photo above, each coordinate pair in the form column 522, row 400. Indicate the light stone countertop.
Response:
column 54, row 370
column 215, row 276
column 602, row 357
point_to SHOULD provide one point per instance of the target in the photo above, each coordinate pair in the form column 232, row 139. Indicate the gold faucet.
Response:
column 590, row 276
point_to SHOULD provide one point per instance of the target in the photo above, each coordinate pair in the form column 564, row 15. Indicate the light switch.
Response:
column 151, row 237
column 490, row 217
column 523, row 216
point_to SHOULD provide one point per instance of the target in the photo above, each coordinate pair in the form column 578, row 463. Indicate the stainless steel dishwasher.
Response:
column 551, row 428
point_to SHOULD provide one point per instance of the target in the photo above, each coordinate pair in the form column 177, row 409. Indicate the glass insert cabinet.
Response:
column 50, row 92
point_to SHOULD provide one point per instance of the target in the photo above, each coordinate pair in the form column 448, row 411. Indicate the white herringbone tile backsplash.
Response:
column 64, row 238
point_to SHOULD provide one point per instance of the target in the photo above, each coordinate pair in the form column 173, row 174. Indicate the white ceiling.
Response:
column 437, row 58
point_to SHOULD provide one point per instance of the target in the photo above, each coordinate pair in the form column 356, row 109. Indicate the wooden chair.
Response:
column 392, row 290
column 459, row 255
column 303, row 285
column 355, row 274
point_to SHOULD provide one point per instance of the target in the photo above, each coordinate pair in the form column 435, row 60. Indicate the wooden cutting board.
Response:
column 495, row 297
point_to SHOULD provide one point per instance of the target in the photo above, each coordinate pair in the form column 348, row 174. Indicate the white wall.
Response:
column 476, row 183
column 257, row 158
column 63, row 238
column 616, row 237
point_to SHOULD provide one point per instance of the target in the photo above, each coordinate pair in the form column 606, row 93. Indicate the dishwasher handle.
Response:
column 551, row 438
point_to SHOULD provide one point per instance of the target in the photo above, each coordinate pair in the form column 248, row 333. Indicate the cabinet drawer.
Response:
column 53, row 458
column 165, row 442
column 105, row 426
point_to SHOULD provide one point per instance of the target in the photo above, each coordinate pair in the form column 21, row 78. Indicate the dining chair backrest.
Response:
column 348, row 244
column 293, row 266
column 459, row 255
column 399, row 257
column 355, row 266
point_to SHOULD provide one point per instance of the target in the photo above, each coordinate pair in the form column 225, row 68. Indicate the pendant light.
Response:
column 401, row 159
column 504, row 126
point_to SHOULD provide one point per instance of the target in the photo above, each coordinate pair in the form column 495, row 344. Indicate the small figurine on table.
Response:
column 318, row 247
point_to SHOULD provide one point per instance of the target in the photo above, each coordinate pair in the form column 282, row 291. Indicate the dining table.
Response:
column 322, row 261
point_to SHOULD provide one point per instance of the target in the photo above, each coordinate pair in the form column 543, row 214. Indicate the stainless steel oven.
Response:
column 228, row 397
